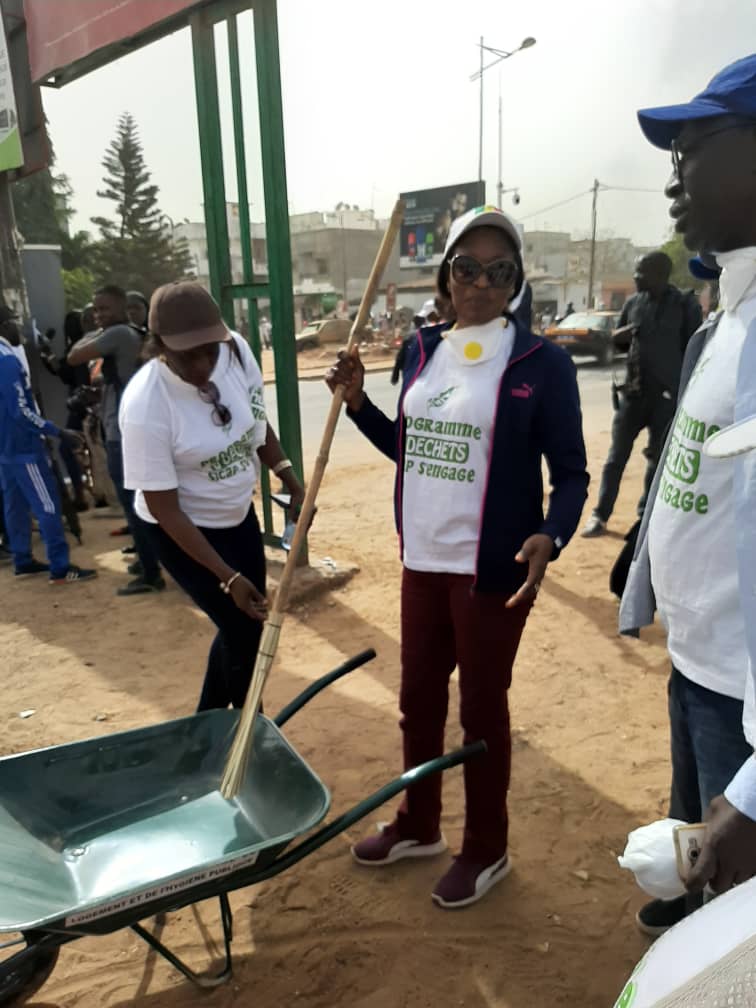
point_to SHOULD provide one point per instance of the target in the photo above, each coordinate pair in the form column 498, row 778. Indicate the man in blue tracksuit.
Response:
column 25, row 474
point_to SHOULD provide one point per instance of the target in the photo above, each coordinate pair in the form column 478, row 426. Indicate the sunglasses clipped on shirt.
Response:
column 500, row 273
column 221, row 414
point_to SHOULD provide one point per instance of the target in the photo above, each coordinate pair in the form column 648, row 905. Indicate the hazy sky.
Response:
column 377, row 99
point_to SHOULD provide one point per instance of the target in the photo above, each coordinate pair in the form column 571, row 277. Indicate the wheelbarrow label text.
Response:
column 178, row 884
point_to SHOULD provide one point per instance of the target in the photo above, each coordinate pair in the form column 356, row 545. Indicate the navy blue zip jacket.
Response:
column 21, row 427
column 537, row 414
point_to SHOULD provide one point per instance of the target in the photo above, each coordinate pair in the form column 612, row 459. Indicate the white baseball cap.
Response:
column 483, row 216
column 429, row 307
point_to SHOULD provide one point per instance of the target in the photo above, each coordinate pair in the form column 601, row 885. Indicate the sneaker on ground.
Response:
column 140, row 586
column 594, row 527
column 387, row 846
column 73, row 573
column 659, row 916
column 128, row 550
column 122, row 531
column 467, row 882
column 33, row 567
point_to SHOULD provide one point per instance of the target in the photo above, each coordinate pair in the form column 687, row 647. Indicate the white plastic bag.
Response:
column 650, row 856
column 704, row 961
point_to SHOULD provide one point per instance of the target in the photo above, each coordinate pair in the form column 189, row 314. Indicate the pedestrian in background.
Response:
column 654, row 327
column 118, row 343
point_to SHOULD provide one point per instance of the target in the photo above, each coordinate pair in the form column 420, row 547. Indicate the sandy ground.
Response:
column 590, row 763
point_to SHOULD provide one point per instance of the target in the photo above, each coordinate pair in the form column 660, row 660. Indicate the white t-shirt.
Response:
column 171, row 442
column 448, row 416
column 692, row 527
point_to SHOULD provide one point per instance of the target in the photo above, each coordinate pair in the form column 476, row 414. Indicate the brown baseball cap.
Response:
column 184, row 315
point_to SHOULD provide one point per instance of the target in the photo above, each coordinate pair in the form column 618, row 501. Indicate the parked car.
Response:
column 587, row 333
column 322, row 331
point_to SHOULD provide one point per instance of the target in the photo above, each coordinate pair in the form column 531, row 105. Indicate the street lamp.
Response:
column 500, row 54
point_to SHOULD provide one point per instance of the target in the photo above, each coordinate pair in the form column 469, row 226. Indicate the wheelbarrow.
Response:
column 100, row 835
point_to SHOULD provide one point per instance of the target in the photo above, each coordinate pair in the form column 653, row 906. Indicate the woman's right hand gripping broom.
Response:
column 349, row 372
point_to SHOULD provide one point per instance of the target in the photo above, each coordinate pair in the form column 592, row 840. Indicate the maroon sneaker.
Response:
column 467, row 882
column 387, row 846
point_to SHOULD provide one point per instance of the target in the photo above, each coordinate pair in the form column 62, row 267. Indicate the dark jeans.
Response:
column 233, row 652
column 145, row 550
column 708, row 745
column 651, row 410
column 446, row 624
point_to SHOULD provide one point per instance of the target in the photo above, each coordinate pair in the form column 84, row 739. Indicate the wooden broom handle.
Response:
column 308, row 506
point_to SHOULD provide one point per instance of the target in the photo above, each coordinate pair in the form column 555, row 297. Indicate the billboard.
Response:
column 11, row 154
column 63, row 32
column 427, row 218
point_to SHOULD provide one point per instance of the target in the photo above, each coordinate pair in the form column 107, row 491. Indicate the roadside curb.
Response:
column 320, row 375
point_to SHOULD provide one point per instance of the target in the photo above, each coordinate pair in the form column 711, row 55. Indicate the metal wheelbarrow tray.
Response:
column 101, row 834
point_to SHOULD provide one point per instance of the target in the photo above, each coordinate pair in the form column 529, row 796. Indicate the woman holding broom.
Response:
column 194, row 433
column 483, row 401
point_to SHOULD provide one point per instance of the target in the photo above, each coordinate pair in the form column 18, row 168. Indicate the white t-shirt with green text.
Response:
column 692, row 528
column 171, row 442
column 449, row 416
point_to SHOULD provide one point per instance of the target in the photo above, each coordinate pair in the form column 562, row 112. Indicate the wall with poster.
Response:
column 427, row 218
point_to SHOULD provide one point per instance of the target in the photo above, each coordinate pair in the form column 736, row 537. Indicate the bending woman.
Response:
column 483, row 401
column 194, row 433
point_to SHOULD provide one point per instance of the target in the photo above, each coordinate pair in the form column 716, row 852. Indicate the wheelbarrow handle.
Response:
column 368, row 805
column 313, row 689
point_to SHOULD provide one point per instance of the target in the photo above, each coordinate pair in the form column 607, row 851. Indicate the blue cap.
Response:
column 704, row 267
column 731, row 92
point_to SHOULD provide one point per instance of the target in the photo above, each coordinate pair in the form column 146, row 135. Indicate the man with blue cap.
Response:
column 695, row 560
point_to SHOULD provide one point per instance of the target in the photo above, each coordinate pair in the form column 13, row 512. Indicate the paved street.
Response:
column 350, row 447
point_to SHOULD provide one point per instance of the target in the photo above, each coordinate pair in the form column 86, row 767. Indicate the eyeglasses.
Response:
column 221, row 414
column 679, row 155
column 500, row 273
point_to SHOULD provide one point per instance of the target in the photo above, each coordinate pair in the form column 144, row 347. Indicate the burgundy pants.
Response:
column 446, row 624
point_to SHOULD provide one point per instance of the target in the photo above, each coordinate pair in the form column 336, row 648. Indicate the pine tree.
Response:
column 134, row 249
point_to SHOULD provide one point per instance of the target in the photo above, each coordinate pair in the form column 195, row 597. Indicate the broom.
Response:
column 236, row 764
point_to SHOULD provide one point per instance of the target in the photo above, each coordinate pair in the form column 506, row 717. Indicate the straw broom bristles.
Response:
column 239, row 753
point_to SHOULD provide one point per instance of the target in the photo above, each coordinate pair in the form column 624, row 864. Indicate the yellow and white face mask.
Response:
column 477, row 344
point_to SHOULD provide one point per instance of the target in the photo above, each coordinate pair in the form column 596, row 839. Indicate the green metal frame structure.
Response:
column 278, row 286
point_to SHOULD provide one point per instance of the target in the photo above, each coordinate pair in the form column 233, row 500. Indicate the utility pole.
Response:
column 499, row 183
column 480, row 141
column 592, row 267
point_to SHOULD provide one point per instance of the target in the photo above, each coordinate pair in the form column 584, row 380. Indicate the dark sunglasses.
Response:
column 500, row 273
column 680, row 154
column 221, row 414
